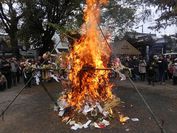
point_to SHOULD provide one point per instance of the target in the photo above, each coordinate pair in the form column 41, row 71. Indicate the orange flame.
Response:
column 123, row 119
column 88, row 53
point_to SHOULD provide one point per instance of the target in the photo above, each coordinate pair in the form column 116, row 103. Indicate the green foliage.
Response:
column 64, row 29
column 119, row 16
column 40, row 18
column 32, row 27
column 39, row 15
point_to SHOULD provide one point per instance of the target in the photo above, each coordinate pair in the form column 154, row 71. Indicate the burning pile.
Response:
column 89, row 97
column 89, row 52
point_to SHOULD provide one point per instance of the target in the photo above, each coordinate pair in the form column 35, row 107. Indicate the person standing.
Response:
column 6, row 71
column 175, row 73
column 142, row 69
column 19, row 72
column 151, row 71
column 163, row 67
column 156, row 68
column 3, row 82
column 134, row 67
column 27, row 73
column 170, row 68
column 14, row 67
column 1, row 60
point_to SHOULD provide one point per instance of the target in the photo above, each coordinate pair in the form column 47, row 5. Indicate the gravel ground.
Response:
column 33, row 112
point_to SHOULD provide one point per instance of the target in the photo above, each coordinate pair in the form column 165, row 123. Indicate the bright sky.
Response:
column 168, row 31
column 151, row 21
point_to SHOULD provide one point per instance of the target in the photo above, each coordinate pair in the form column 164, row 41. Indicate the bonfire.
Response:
column 88, row 100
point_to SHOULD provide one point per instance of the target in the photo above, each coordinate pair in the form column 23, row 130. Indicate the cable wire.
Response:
column 132, row 83
column 139, row 93
column 148, row 107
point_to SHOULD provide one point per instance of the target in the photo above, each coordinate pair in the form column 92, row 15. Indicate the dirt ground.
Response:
column 33, row 112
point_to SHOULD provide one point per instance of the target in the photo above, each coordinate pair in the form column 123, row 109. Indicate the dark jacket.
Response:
column 163, row 65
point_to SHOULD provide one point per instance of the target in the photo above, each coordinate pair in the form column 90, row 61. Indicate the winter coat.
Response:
column 175, row 70
column 163, row 65
column 151, row 68
column 142, row 67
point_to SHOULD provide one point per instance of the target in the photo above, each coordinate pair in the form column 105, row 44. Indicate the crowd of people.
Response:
column 9, row 72
column 31, row 71
column 157, row 70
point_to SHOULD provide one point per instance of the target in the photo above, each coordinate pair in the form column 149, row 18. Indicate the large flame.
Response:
column 89, row 52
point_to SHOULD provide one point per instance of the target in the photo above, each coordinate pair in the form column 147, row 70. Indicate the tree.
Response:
column 67, row 15
column 116, row 17
column 39, row 13
column 119, row 16
column 10, row 15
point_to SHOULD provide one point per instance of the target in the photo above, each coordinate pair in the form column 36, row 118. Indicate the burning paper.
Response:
column 89, row 96
column 123, row 119
column 88, row 53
